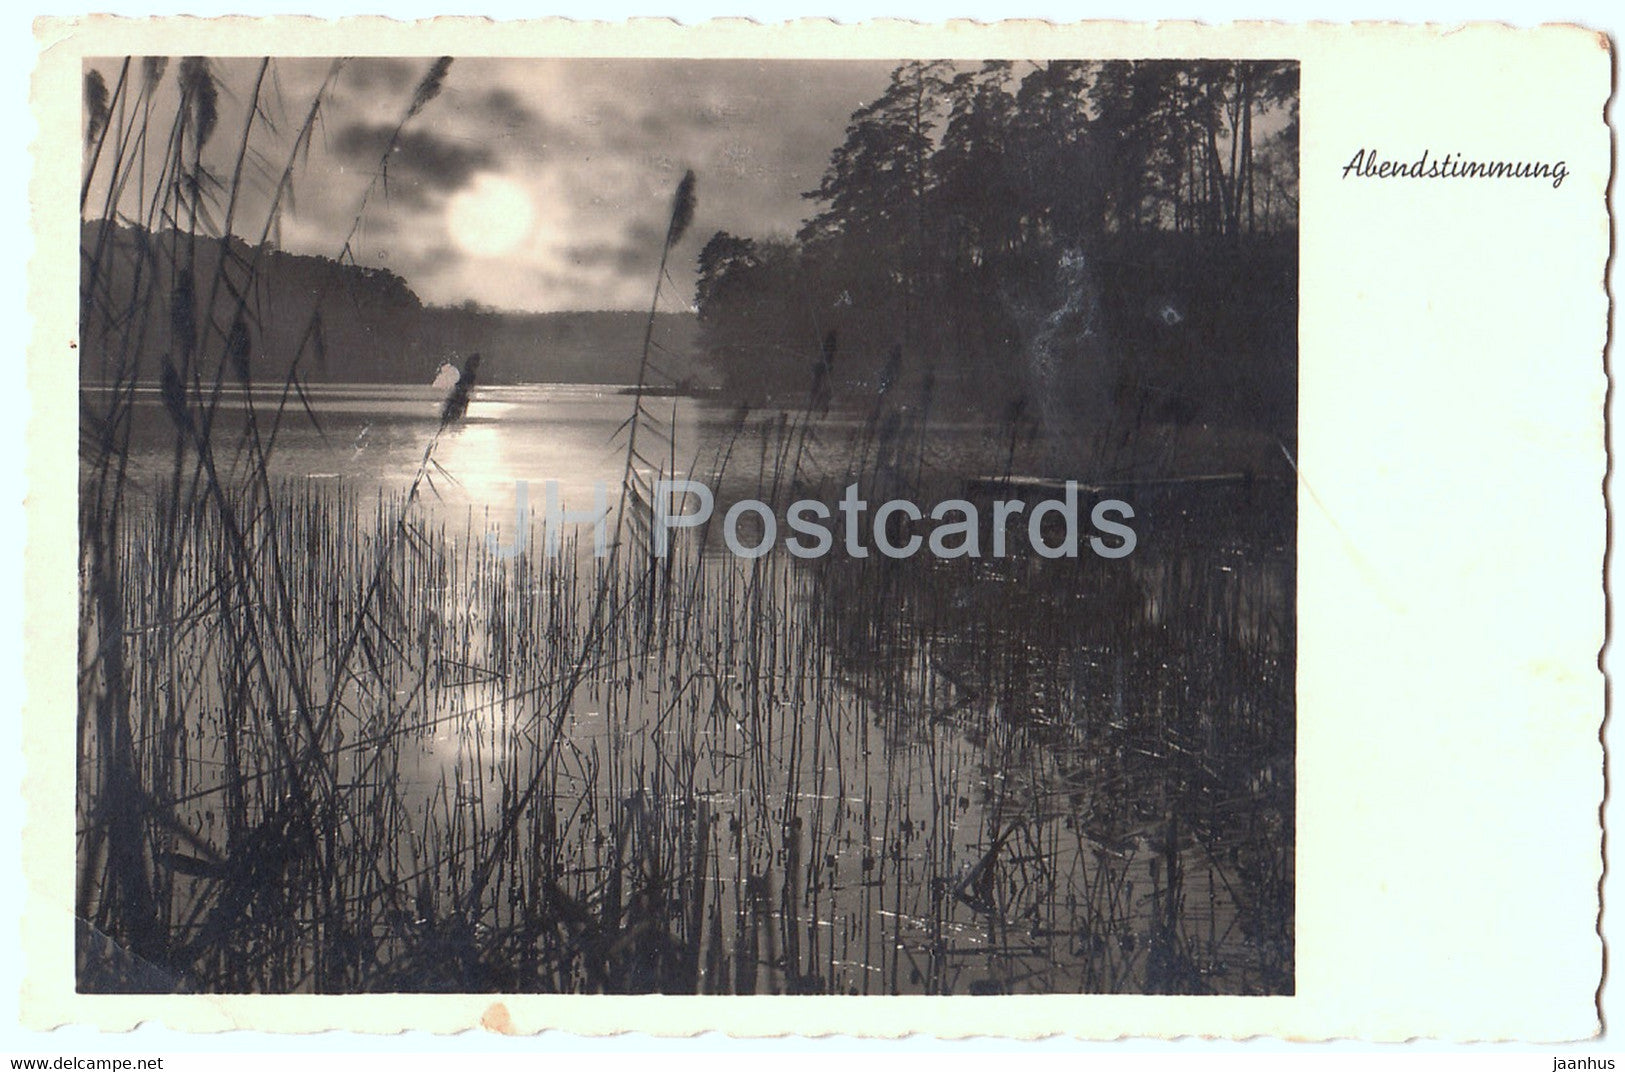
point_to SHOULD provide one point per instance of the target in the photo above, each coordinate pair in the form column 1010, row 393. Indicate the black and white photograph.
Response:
column 823, row 537
column 713, row 526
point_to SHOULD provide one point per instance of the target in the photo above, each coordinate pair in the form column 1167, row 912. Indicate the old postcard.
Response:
column 969, row 529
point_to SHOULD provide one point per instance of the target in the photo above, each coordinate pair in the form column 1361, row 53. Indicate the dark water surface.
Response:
column 841, row 775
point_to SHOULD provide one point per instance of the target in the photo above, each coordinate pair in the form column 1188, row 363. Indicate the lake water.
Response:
column 372, row 437
column 840, row 776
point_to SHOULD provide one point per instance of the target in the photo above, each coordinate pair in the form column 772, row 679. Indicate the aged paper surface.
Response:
column 1404, row 844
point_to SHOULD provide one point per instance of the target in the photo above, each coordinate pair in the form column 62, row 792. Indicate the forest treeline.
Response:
column 1122, row 231
column 337, row 322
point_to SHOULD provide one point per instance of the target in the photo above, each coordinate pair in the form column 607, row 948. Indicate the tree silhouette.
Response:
column 945, row 218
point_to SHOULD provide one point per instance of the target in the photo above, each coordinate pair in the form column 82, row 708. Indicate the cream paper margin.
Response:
column 1451, row 538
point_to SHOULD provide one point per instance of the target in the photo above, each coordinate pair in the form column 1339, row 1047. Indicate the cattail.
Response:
column 682, row 210
column 198, row 87
column 174, row 392
column 821, row 387
column 238, row 347
column 183, row 313
column 318, row 339
column 892, row 369
column 429, row 88
column 890, row 425
column 95, row 105
column 456, row 404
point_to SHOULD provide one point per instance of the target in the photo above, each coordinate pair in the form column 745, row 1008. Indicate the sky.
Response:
column 528, row 184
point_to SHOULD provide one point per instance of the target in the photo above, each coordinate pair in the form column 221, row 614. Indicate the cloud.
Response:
column 636, row 250
column 421, row 162
column 598, row 144
column 382, row 74
column 504, row 109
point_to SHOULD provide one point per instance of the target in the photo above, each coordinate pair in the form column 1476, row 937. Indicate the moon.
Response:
column 491, row 216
